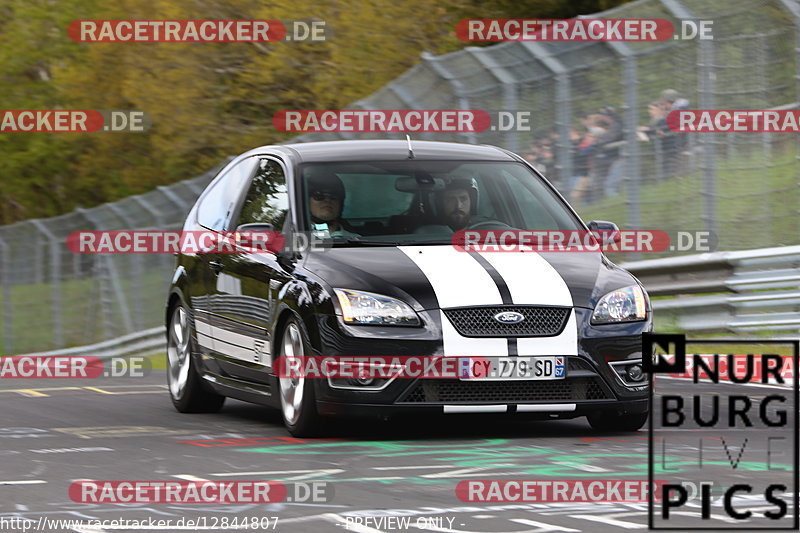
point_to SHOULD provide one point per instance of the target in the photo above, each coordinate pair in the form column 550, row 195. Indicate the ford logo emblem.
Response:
column 509, row 317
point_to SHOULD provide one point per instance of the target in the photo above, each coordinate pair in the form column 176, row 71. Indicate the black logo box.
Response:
column 653, row 365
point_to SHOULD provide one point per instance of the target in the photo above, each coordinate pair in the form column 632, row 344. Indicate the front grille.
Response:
column 479, row 321
column 447, row 391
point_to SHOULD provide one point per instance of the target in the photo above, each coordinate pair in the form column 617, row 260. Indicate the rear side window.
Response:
column 217, row 205
column 267, row 200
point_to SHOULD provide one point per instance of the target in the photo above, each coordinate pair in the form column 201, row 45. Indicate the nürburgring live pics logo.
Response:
column 723, row 434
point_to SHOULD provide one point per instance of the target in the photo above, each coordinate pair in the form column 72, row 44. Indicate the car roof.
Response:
column 389, row 150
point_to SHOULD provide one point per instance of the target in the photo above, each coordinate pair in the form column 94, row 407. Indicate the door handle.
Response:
column 216, row 266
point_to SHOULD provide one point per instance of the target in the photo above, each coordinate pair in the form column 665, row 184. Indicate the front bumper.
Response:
column 590, row 383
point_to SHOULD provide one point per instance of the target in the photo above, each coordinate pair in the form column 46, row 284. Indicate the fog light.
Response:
column 635, row 372
column 364, row 382
column 363, row 379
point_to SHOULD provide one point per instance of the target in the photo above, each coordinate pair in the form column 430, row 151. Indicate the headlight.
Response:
column 360, row 307
column 622, row 305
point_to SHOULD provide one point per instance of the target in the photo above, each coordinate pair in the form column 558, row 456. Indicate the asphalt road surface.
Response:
column 55, row 432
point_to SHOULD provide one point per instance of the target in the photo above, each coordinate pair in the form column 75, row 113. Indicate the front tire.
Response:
column 605, row 421
column 185, row 387
column 298, row 405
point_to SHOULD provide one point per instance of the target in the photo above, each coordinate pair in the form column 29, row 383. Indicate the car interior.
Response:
column 386, row 202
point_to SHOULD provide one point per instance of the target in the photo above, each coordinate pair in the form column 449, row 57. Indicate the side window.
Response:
column 267, row 200
column 218, row 204
column 485, row 207
column 534, row 213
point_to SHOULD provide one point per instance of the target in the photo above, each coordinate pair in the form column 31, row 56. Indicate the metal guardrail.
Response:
column 726, row 291
column 146, row 342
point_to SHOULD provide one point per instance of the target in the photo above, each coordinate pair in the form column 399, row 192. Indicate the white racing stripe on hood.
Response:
column 458, row 280
column 531, row 280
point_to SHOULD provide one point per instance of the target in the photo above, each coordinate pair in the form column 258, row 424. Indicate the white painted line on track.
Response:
column 461, row 472
column 544, row 527
column 409, row 467
column 305, row 473
column 609, row 520
column 189, row 477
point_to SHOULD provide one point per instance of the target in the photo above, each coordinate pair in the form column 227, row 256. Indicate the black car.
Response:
column 388, row 281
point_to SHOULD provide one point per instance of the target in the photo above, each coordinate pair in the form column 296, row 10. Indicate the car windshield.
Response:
column 418, row 202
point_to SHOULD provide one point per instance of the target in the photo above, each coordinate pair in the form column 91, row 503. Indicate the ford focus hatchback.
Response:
column 371, row 268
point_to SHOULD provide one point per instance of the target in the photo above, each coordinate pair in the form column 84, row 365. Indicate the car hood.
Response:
column 440, row 276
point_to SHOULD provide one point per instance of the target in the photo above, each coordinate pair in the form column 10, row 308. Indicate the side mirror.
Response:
column 256, row 226
column 604, row 227
column 258, row 236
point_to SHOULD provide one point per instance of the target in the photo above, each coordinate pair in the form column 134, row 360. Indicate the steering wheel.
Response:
column 489, row 224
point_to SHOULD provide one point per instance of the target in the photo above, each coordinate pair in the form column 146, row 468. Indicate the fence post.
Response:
column 563, row 107
column 137, row 272
column 55, row 280
column 706, row 76
column 38, row 261
column 114, row 278
column 5, row 268
column 147, row 207
column 794, row 8
column 403, row 96
column 175, row 199
column 705, row 91
column 631, row 154
column 510, row 90
column 440, row 70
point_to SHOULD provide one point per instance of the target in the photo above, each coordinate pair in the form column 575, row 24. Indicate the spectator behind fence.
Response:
column 667, row 145
column 584, row 144
column 606, row 169
column 540, row 155
column 674, row 144
column 598, row 152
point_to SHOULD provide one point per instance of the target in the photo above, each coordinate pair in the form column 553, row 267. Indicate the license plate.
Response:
column 511, row 368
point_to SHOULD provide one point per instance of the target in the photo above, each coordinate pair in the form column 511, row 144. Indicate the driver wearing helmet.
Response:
column 326, row 196
column 458, row 202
